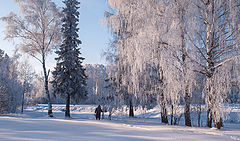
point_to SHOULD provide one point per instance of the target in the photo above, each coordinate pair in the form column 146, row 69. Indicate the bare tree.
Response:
column 38, row 28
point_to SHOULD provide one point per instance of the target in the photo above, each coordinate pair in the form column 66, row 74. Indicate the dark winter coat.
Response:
column 98, row 112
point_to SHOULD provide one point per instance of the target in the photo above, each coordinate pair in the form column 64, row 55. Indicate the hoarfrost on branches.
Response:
column 38, row 28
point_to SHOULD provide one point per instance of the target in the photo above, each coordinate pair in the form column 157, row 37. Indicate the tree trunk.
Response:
column 218, row 124
column 131, row 111
column 172, row 115
column 199, row 115
column 187, row 108
column 209, row 101
column 184, row 67
column 175, row 118
column 50, row 114
column 164, row 114
column 67, row 112
column 22, row 102
column 209, row 118
column 213, row 112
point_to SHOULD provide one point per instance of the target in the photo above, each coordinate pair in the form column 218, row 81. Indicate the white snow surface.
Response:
column 35, row 125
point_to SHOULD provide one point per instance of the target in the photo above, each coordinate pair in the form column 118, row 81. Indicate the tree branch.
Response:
column 196, row 46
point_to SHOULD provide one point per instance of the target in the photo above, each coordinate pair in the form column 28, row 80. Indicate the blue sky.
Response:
column 93, row 34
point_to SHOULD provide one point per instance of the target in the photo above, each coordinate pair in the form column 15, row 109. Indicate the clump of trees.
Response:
column 15, row 83
column 40, row 28
column 10, row 88
column 161, row 48
column 37, row 27
column 164, row 53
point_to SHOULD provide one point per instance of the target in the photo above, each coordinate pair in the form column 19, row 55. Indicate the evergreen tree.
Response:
column 69, row 74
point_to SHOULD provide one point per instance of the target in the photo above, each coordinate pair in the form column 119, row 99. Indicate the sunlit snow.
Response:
column 35, row 125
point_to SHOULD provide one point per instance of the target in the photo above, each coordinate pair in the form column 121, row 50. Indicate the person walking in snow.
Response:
column 98, row 112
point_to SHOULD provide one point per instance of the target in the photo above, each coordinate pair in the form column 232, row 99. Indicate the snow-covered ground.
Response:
column 35, row 125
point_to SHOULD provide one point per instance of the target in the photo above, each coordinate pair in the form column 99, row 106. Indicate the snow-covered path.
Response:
column 59, row 129
column 35, row 125
column 13, row 128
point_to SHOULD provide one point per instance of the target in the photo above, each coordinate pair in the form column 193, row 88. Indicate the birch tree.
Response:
column 117, row 24
column 139, row 27
column 37, row 28
column 216, row 43
column 181, row 19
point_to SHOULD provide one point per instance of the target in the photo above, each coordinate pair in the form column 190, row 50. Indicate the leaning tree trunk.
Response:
column 50, row 114
column 67, row 112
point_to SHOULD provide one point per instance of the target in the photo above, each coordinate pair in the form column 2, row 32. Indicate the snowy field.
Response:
column 34, row 125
